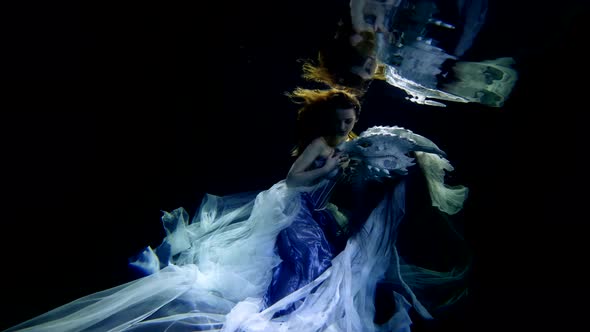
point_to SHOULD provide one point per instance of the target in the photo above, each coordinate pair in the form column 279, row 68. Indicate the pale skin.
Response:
column 302, row 173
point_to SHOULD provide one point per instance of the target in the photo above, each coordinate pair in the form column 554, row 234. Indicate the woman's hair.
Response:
column 319, row 106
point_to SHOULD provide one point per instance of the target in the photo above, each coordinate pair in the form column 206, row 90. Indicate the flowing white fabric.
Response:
column 448, row 199
column 342, row 298
column 221, row 265
column 225, row 255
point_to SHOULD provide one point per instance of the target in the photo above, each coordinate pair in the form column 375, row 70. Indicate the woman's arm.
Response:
column 301, row 175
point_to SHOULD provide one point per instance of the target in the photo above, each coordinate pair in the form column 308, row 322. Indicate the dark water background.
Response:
column 112, row 113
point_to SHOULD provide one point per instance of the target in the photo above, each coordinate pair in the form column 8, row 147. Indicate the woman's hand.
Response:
column 336, row 161
column 301, row 172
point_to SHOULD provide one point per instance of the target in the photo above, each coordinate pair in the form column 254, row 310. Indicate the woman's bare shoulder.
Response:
column 319, row 142
column 317, row 147
column 320, row 145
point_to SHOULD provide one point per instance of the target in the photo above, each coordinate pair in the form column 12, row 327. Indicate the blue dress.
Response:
column 306, row 248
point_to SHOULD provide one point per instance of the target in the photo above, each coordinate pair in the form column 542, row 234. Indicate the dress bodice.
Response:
column 319, row 162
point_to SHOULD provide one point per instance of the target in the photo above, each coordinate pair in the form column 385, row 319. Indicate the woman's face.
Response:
column 343, row 122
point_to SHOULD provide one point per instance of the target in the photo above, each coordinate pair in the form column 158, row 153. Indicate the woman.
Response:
column 308, row 245
column 281, row 259
column 341, row 268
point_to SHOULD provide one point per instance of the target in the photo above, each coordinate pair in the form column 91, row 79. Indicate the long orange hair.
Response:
column 318, row 107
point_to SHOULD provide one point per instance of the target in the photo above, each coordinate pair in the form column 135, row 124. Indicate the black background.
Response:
column 114, row 112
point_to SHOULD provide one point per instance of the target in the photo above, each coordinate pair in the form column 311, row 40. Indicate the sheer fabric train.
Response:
column 212, row 273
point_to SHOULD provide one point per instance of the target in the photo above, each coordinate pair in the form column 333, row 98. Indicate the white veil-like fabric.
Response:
column 226, row 254
column 219, row 266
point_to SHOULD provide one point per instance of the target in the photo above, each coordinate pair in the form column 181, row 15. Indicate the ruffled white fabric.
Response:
column 448, row 199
